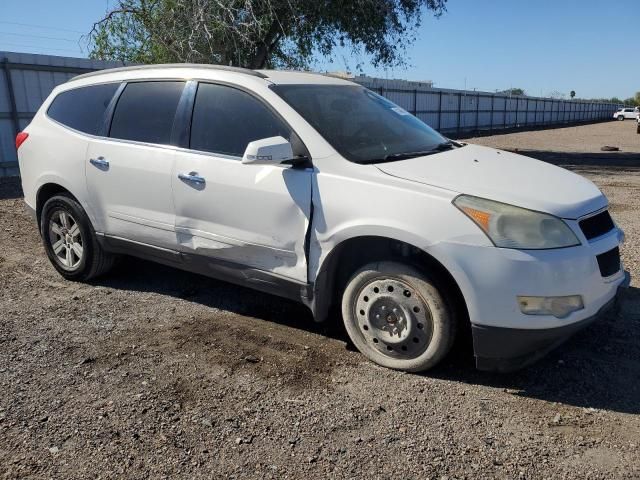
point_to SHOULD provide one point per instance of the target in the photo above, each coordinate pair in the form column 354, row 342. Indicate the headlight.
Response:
column 514, row 227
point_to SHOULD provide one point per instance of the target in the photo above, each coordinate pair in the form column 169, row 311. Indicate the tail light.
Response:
column 20, row 138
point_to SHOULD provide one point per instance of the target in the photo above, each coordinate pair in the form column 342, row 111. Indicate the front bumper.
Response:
column 507, row 349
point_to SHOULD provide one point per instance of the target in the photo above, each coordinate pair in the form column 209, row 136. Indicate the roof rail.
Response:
column 134, row 68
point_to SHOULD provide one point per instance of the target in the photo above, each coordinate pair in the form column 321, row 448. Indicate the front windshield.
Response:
column 362, row 126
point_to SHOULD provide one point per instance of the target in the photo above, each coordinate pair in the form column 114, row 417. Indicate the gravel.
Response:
column 155, row 373
column 581, row 139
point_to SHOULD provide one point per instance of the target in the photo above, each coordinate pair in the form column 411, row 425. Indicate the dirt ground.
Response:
column 155, row 373
column 580, row 140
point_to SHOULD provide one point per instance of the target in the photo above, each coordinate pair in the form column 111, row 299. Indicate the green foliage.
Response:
column 607, row 100
column 636, row 100
column 631, row 101
column 514, row 91
column 257, row 33
column 572, row 94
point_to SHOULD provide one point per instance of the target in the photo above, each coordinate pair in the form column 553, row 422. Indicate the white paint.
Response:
column 132, row 198
column 268, row 151
column 505, row 177
column 257, row 215
column 260, row 212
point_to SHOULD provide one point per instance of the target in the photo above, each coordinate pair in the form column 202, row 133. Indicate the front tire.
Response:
column 70, row 241
column 398, row 317
column 621, row 118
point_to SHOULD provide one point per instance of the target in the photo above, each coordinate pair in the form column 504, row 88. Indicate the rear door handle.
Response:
column 99, row 162
column 192, row 177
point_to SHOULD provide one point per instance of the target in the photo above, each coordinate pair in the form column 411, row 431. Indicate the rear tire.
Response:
column 397, row 316
column 70, row 241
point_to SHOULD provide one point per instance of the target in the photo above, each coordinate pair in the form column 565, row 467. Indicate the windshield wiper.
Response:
column 405, row 155
column 420, row 153
column 401, row 156
column 446, row 145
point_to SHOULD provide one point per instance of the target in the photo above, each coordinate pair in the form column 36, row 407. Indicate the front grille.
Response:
column 597, row 225
column 609, row 262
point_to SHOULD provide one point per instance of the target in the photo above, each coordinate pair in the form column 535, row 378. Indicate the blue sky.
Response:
column 543, row 46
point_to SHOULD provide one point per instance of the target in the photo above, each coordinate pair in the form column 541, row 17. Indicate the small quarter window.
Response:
column 145, row 112
column 83, row 108
column 225, row 120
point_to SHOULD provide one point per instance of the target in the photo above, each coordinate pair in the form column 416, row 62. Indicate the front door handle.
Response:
column 192, row 177
column 99, row 162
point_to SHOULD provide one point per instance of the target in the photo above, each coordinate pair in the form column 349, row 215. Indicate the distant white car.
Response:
column 628, row 112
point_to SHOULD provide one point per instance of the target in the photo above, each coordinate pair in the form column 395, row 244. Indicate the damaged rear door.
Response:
column 245, row 220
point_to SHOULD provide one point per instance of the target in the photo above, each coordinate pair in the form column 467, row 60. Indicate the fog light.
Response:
column 559, row 307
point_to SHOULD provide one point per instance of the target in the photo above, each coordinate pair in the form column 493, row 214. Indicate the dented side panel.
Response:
column 253, row 215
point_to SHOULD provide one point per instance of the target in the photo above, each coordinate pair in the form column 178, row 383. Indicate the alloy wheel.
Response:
column 65, row 239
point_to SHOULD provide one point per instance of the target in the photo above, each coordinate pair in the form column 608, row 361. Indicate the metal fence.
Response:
column 25, row 82
column 460, row 111
column 27, row 79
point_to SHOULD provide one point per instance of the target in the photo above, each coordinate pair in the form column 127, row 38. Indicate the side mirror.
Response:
column 268, row 151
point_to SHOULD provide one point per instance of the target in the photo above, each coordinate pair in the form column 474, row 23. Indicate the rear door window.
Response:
column 145, row 112
column 83, row 108
column 226, row 119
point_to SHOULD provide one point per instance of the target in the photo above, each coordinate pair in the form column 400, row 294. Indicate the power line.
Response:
column 39, row 36
column 42, row 26
column 40, row 47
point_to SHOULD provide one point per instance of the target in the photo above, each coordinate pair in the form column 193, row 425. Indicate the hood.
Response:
column 503, row 177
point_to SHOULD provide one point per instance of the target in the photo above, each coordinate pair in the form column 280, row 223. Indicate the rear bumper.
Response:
column 507, row 349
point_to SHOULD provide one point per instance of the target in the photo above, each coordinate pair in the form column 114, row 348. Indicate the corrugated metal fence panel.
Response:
column 32, row 78
column 457, row 111
column 451, row 111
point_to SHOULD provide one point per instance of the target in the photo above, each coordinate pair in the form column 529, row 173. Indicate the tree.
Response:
column 257, row 33
column 514, row 91
column 572, row 94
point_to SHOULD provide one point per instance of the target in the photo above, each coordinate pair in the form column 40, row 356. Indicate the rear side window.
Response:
column 83, row 108
column 145, row 112
column 226, row 119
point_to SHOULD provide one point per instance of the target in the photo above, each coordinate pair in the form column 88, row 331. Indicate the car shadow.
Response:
column 133, row 274
column 597, row 368
column 10, row 188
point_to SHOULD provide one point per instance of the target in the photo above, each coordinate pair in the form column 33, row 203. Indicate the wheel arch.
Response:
column 47, row 191
column 352, row 253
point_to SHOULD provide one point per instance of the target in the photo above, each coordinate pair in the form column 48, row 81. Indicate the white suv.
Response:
column 319, row 190
column 626, row 113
